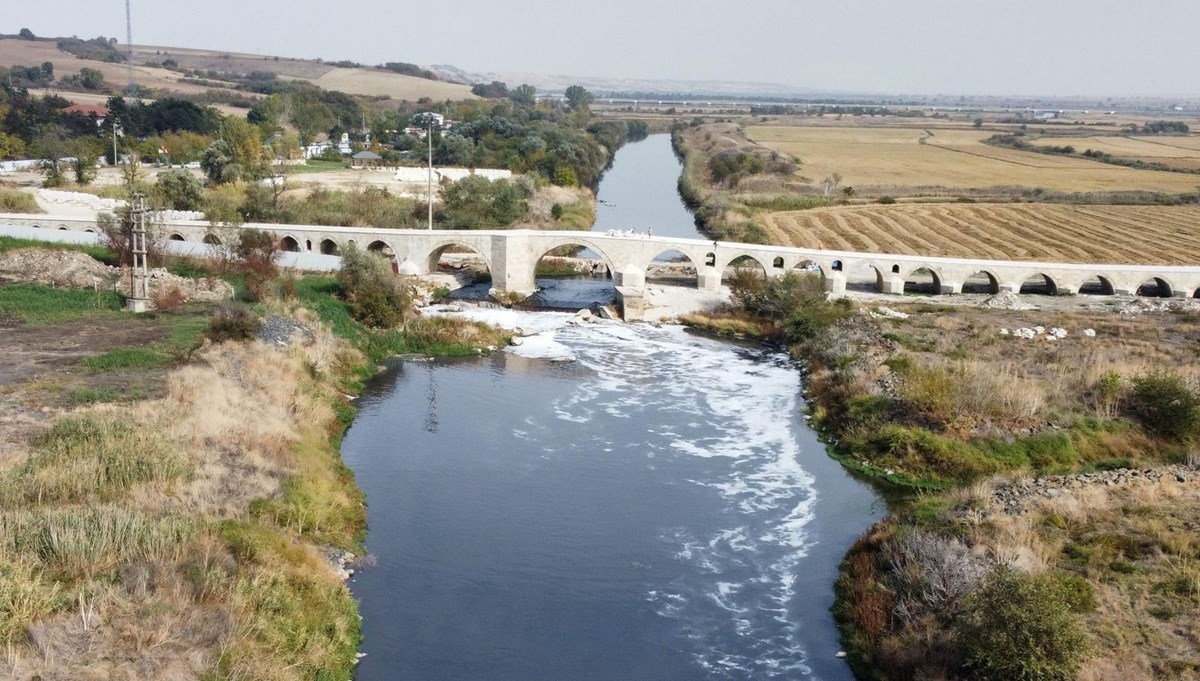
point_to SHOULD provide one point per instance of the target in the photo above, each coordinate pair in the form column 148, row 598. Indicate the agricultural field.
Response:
column 1178, row 152
column 30, row 53
column 375, row 83
column 355, row 81
column 903, row 160
column 1044, row 232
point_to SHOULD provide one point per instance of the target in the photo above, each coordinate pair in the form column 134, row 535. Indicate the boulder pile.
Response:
column 1014, row 497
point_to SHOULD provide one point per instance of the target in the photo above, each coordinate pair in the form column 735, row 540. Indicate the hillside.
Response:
column 149, row 73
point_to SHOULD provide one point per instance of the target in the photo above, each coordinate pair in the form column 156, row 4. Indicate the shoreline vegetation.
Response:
column 180, row 506
column 1045, row 488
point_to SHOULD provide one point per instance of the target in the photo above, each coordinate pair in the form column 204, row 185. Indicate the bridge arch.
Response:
column 212, row 240
column 433, row 260
column 176, row 236
column 289, row 243
column 380, row 246
column 1097, row 285
column 673, row 260
column 1038, row 283
column 62, row 228
column 923, row 279
column 1155, row 287
column 329, row 247
column 982, row 281
column 546, row 247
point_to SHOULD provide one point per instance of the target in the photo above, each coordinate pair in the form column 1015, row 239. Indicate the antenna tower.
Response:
column 132, row 86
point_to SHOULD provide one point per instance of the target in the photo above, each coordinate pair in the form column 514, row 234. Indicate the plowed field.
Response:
column 1044, row 232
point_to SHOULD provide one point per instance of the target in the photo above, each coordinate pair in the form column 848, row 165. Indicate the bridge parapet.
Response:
column 512, row 256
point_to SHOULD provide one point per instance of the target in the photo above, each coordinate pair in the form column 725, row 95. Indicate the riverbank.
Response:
column 175, row 503
column 950, row 403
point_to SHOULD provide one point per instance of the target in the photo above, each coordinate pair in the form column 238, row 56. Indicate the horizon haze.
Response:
column 911, row 47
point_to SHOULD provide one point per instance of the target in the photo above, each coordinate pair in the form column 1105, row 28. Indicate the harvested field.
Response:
column 28, row 53
column 377, row 83
column 1178, row 152
column 900, row 160
column 1168, row 235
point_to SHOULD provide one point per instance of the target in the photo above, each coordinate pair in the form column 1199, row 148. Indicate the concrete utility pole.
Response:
column 132, row 85
column 429, row 137
column 139, row 274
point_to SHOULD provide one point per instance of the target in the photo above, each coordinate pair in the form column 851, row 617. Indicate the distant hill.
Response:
column 150, row 72
column 601, row 86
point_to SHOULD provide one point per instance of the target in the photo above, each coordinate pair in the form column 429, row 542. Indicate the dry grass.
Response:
column 29, row 53
column 896, row 160
column 1045, row 232
column 1134, row 545
column 187, row 543
column 372, row 82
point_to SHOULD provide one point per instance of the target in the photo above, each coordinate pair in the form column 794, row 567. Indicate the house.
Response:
column 366, row 159
column 86, row 110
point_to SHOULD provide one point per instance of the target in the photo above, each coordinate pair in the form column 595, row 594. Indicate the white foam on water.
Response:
column 741, row 407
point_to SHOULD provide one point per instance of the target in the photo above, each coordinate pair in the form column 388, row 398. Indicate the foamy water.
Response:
column 732, row 602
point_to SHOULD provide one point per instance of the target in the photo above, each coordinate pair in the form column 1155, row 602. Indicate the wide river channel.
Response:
column 605, row 501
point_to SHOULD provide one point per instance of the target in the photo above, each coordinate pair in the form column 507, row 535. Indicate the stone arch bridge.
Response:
column 512, row 256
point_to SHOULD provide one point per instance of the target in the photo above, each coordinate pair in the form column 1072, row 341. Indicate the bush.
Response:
column 375, row 296
column 887, row 200
column 255, row 252
column 180, row 190
column 1164, row 405
column 167, row 300
column 1017, row 627
column 232, row 322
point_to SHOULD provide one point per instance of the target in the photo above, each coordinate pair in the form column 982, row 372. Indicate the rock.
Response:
column 841, row 654
column 1004, row 332
column 1090, row 333
column 1005, row 300
column 888, row 313
column 515, row 340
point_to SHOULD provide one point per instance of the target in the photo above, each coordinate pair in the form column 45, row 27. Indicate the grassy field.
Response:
column 29, row 53
column 900, row 160
column 372, row 82
column 1054, row 232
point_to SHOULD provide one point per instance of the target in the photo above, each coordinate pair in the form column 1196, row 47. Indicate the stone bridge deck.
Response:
column 512, row 256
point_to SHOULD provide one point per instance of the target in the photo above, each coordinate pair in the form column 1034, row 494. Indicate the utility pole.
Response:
column 429, row 137
column 139, row 274
column 132, row 85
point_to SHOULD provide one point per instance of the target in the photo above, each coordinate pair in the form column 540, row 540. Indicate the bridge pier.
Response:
column 892, row 284
column 708, row 279
column 835, row 283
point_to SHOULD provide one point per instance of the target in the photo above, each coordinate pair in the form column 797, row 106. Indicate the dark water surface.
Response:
column 640, row 192
column 655, row 509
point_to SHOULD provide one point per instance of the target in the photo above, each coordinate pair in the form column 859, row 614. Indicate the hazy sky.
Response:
column 1063, row 47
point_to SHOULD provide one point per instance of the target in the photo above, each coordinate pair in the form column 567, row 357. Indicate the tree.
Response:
column 978, row 123
column 47, row 70
column 84, row 167
column 578, row 98
column 1018, row 627
column 524, row 94
column 830, row 183
column 375, row 296
column 11, row 146
column 179, row 190
column 26, row 34
column 91, row 79
column 219, row 164
column 475, row 202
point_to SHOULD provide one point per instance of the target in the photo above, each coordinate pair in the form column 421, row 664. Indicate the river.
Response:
column 604, row 501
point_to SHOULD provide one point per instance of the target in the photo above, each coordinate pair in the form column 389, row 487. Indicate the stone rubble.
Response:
column 281, row 331
column 884, row 312
column 1005, row 300
column 1014, row 497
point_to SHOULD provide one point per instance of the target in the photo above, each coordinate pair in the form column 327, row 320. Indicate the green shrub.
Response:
column 1164, row 405
column 887, row 200
column 126, row 358
column 180, row 190
column 375, row 295
column 233, row 322
column 1017, row 627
